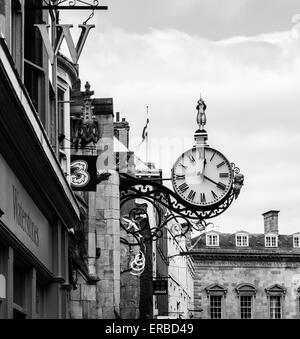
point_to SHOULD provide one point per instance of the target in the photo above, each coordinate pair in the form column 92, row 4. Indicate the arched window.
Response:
column 216, row 294
column 276, row 294
column 246, row 294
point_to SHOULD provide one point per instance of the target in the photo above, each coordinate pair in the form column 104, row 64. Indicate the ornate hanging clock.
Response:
column 202, row 176
column 205, row 183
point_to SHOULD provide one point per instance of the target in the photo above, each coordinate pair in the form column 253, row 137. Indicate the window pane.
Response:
column 216, row 307
column 242, row 240
column 246, row 307
column 33, row 41
column 19, row 286
column 275, row 307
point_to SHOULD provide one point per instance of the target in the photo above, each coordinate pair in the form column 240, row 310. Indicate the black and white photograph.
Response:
column 149, row 162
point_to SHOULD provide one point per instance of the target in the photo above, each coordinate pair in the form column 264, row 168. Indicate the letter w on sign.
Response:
column 64, row 32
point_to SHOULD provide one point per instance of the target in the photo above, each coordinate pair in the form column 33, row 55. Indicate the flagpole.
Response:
column 147, row 136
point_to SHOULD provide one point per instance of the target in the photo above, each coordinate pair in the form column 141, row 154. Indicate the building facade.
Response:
column 247, row 276
column 180, row 274
column 38, row 207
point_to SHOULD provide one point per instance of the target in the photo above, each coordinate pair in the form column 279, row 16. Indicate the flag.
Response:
column 145, row 130
column 83, row 173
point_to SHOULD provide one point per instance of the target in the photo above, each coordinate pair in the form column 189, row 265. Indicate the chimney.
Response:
column 271, row 222
column 121, row 130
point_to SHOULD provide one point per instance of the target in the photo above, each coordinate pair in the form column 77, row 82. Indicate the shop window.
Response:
column 39, row 300
column 216, row 294
column 19, row 290
column 246, row 294
column 276, row 294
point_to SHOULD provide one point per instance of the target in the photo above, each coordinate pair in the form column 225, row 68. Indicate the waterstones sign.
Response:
column 23, row 218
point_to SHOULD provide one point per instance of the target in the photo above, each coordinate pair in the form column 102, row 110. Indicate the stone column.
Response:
column 107, row 217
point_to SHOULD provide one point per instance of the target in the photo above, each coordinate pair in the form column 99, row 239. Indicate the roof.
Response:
column 256, row 242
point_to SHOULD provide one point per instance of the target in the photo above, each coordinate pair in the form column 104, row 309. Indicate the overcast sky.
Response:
column 242, row 55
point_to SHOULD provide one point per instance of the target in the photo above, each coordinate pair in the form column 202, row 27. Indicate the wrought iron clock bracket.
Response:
column 132, row 187
column 153, row 192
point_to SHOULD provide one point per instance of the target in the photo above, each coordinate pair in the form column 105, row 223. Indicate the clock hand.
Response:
column 210, row 180
column 204, row 164
column 202, row 170
column 220, row 185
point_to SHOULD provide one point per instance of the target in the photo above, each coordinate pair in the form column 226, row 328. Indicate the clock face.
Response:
column 202, row 176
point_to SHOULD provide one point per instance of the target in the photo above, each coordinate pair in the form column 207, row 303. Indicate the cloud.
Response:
column 250, row 85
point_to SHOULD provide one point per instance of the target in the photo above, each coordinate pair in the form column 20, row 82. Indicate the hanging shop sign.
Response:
column 83, row 173
column 64, row 33
column 22, row 218
column 160, row 287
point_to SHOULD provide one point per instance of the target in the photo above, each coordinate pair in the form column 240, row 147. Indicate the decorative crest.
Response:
column 86, row 126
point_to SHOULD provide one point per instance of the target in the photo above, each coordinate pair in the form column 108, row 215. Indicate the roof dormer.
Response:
column 242, row 239
column 212, row 238
column 296, row 240
column 271, row 240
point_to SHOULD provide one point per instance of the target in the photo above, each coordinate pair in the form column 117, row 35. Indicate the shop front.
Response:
column 37, row 209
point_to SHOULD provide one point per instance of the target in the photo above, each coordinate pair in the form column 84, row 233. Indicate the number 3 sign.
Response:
column 83, row 172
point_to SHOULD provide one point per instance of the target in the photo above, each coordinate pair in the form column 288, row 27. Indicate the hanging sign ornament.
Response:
column 63, row 31
column 205, row 183
column 138, row 264
column 83, row 173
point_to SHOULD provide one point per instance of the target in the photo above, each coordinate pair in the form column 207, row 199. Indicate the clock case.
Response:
column 219, row 202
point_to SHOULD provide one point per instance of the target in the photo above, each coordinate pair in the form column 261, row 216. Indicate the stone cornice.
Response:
column 277, row 256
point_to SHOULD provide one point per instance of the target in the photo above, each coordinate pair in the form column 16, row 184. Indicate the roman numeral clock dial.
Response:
column 202, row 176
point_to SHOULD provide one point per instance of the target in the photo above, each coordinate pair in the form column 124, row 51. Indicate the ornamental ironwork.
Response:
column 173, row 211
column 69, row 5
column 85, row 127
column 132, row 188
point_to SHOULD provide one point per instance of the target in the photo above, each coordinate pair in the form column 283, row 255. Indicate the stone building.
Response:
column 96, row 243
column 38, row 207
column 247, row 276
column 137, row 299
column 180, row 274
